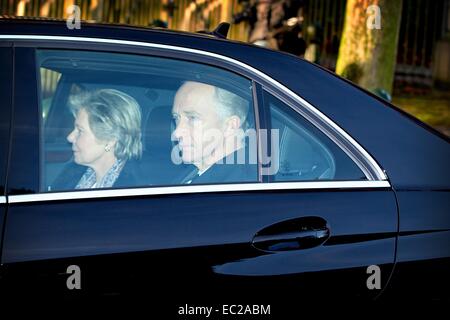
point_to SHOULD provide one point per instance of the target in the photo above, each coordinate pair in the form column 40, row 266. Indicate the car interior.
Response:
column 302, row 156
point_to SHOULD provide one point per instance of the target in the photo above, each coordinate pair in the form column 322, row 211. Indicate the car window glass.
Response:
column 304, row 152
column 109, row 121
column 49, row 82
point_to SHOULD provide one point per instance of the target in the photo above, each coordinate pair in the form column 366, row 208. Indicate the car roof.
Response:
column 24, row 20
column 53, row 26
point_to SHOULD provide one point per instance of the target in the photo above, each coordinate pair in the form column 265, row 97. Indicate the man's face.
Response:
column 199, row 128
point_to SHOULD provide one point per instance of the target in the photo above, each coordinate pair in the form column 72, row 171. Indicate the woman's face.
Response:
column 87, row 149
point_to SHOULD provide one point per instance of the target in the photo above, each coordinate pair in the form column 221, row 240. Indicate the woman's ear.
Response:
column 113, row 142
column 110, row 145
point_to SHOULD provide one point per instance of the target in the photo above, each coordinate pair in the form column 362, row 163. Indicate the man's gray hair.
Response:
column 231, row 104
column 112, row 114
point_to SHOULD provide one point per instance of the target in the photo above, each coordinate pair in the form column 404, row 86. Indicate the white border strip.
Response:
column 380, row 173
column 2, row 199
column 187, row 189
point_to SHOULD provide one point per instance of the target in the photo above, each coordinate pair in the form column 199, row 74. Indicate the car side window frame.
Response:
column 216, row 60
column 349, row 145
column 6, row 94
column 23, row 171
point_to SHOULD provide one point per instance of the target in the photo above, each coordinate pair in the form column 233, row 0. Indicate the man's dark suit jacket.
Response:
column 133, row 174
column 227, row 173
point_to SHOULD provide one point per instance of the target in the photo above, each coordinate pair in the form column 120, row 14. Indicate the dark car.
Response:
column 346, row 197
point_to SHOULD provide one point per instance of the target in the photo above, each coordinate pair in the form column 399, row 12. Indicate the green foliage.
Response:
column 434, row 111
column 353, row 72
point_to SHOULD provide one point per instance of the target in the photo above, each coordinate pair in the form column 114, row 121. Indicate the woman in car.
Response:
column 106, row 139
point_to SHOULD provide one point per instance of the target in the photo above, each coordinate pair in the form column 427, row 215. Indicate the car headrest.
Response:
column 157, row 131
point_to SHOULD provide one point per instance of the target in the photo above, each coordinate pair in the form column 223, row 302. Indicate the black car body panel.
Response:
column 213, row 227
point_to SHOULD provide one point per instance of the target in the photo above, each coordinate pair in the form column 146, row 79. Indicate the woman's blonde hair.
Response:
column 112, row 114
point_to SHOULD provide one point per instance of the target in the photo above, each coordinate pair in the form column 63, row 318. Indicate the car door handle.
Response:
column 282, row 237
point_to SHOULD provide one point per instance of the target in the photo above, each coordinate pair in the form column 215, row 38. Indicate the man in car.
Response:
column 210, row 123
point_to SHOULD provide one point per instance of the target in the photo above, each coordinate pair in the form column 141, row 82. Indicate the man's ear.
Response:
column 232, row 124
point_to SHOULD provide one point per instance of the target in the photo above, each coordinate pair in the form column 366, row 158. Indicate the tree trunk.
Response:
column 368, row 50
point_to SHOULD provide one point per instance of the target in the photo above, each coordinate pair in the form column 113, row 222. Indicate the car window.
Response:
column 304, row 152
column 108, row 120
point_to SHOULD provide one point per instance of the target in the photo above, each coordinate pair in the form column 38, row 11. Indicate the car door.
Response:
column 313, row 224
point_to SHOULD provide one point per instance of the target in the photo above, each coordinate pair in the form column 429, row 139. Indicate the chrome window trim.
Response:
column 187, row 189
column 380, row 174
column 2, row 199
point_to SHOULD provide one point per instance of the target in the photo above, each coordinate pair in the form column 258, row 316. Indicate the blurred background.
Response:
column 398, row 49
